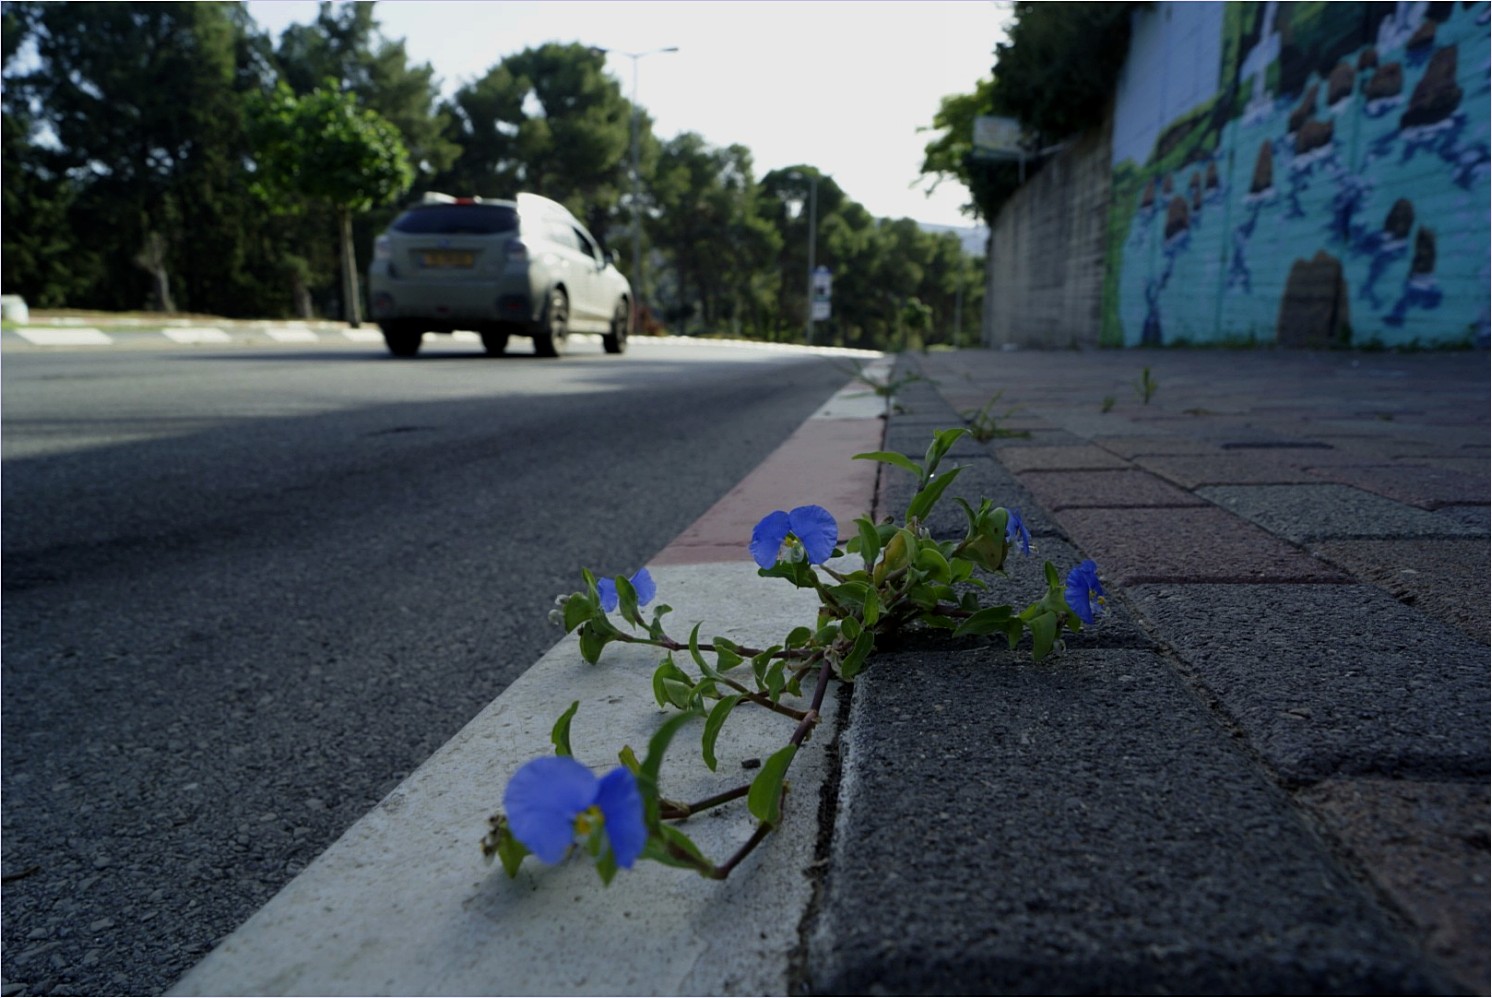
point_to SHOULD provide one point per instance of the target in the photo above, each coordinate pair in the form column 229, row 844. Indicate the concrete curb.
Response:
column 1319, row 825
column 60, row 334
column 403, row 904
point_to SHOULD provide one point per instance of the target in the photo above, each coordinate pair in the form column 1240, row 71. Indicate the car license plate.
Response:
column 447, row 258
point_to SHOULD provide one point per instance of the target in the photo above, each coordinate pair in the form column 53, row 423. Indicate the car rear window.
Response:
column 453, row 219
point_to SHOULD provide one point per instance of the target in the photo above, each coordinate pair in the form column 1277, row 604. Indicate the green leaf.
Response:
column 892, row 457
column 681, row 695
column 798, row 637
column 667, row 672
column 870, row 540
column 986, row 621
column 606, row 866
column 627, row 757
column 797, row 572
column 1043, row 635
column 578, row 609
column 726, row 654
column 560, row 733
column 764, row 800
column 776, row 679
column 942, row 441
column 698, row 657
column 592, row 641
column 627, row 601
column 664, row 836
column 924, row 500
column 855, row 660
column 647, row 773
column 930, row 560
column 871, row 610
column 655, row 627
column 510, row 851
column 713, row 724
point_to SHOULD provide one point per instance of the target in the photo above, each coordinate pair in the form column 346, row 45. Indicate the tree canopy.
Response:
column 1055, row 73
column 173, row 156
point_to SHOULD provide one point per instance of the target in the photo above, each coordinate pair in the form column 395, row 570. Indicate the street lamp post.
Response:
column 637, row 269
column 813, row 241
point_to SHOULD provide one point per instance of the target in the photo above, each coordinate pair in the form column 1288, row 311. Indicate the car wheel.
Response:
column 553, row 334
column 495, row 342
column 621, row 321
column 401, row 339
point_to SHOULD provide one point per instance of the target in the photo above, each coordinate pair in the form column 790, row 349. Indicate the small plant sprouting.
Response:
column 1108, row 404
column 898, row 574
column 884, row 387
column 1145, row 387
column 985, row 425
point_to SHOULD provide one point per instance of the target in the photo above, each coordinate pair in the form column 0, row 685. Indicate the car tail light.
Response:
column 381, row 249
column 516, row 250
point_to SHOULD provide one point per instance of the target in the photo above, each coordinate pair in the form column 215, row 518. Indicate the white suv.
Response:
column 524, row 267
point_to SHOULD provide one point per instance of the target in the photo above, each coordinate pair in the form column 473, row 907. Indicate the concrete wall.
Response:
column 1304, row 174
column 1046, row 259
column 1307, row 174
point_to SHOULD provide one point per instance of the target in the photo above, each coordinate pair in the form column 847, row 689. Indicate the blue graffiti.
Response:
column 1419, row 292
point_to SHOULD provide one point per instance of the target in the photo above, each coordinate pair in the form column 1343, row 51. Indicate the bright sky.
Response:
column 843, row 85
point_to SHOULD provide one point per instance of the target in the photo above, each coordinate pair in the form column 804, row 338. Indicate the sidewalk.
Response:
column 1267, row 770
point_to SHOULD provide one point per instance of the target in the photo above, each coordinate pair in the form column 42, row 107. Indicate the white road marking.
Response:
column 197, row 334
column 74, row 336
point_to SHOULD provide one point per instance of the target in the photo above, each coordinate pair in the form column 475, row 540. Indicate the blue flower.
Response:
column 553, row 801
column 642, row 582
column 1082, row 588
column 1016, row 527
column 812, row 529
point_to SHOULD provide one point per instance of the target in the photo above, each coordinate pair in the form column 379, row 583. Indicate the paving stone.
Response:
column 1120, row 488
column 1418, row 485
column 1194, row 471
column 1078, row 826
column 1080, row 457
column 982, row 478
column 1329, row 681
column 1425, row 846
column 1045, row 439
column 1445, row 579
column 1201, row 544
column 1478, row 517
column 1132, row 447
column 1303, row 513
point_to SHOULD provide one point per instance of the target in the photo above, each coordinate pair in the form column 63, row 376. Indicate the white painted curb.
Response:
column 404, row 904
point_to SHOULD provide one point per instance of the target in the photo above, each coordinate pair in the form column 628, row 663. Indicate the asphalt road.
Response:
column 248, row 590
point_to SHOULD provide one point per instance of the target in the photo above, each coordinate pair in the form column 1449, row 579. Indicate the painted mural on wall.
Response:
column 1333, row 191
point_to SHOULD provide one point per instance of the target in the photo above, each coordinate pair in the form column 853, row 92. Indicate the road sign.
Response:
column 823, row 292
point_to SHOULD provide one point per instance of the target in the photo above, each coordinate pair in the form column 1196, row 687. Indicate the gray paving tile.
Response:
column 1424, row 844
column 1445, row 579
column 1079, row 826
column 982, row 478
column 1303, row 513
column 1331, row 680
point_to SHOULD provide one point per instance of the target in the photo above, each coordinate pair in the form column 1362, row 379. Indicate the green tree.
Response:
column 345, row 44
column 324, row 148
column 708, row 225
column 548, row 121
column 1055, row 74
column 131, row 177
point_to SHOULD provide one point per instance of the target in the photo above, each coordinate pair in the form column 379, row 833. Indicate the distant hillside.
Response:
column 973, row 237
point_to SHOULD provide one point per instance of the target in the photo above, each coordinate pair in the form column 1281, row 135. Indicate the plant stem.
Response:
column 762, row 831
column 679, row 812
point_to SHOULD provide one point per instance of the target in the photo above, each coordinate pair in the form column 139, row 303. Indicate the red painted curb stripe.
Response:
column 814, row 465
